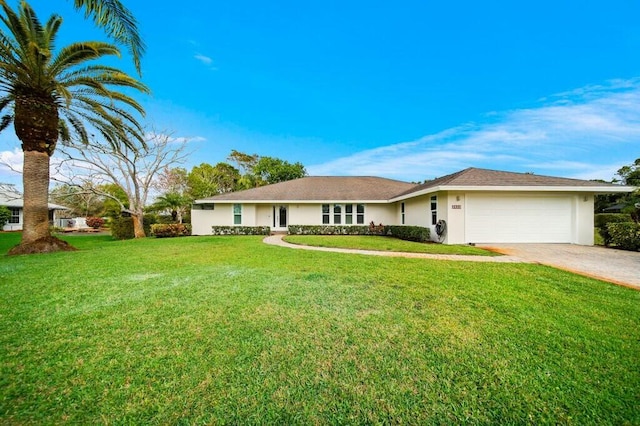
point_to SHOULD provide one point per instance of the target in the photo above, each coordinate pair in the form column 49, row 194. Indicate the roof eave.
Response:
column 237, row 201
column 524, row 188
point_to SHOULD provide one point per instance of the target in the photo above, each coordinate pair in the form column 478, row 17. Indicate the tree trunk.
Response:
column 36, row 237
column 138, row 226
column 35, row 179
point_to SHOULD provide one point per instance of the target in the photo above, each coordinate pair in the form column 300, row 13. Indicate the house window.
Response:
column 434, row 209
column 237, row 214
column 360, row 214
column 15, row 215
column 325, row 214
column 337, row 214
column 348, row 214
column 402, row 212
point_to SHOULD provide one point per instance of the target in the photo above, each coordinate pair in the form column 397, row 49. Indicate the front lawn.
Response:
column 372, row 242
column 228, row 330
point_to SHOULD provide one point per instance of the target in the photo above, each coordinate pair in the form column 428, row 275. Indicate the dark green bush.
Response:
column 168, row 230
column 409, row 233
column 122, row 228
column 328, row 230
column 241, row 230
column 625, row 235
column 602, row 220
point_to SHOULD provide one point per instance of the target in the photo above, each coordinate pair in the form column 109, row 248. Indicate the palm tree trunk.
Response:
column 35, row 179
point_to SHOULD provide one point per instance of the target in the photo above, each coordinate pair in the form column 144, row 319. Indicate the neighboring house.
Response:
column 478, row 206
column 12, row 199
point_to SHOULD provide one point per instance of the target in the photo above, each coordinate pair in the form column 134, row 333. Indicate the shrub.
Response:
column 168, row 230
column 625, row 235
column 94, row 222
column 5, row 215
column 328, row 230
column 410, row 233
column 241, row 230
column 122, row 228
column 602, row 220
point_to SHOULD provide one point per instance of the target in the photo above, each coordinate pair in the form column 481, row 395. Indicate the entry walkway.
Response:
column 277, row 240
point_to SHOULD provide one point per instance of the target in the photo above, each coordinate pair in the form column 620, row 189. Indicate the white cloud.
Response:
column 11, row 161
column 586, row 133
column 204, row 59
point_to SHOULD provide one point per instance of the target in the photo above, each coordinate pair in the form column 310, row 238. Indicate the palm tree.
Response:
column 174, row 202
column 57, row 95
column 117, row 21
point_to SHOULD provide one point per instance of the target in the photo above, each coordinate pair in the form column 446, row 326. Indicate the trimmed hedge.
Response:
column 241, row 230
column 625, row 235
column 409, row 233
column 602, row 221
column 402, row 232
column 329, row 230
column 169, row 230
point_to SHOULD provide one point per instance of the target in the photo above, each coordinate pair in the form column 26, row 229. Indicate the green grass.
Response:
column 228, row 330
column 370, row 242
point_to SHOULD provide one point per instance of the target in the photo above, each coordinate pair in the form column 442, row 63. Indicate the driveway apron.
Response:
column 616, row 266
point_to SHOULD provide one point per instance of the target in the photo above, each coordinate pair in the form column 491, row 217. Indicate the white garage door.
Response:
column 500, row 218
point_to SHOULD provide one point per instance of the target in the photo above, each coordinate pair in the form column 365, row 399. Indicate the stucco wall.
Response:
column 203, row 220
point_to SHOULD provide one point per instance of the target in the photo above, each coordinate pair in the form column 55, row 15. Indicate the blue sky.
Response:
column 409, row 90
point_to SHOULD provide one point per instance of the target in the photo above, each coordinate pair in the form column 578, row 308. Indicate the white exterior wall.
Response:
column 584, row 219
column 305, row 214
column 203, row 220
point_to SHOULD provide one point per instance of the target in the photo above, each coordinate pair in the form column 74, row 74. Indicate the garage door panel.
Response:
column 512, row 219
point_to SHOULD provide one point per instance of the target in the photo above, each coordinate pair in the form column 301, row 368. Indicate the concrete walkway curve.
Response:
column 277, row 240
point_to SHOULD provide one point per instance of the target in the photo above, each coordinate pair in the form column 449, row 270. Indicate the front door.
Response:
column 280, row 220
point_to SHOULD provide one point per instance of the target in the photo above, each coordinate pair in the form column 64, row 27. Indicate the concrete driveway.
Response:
column 616, row 266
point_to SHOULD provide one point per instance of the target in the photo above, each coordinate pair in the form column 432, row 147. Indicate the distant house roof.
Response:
column 367, row 188
column 485, row 179
column 320, row 188
column 11, row 197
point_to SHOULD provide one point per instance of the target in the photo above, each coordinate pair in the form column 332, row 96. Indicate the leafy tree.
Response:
column 259, row 171
column 5, row 215
column 206, row 180
column 630, row 175
column 50, row 95
column 273, row 170
column 114, row 199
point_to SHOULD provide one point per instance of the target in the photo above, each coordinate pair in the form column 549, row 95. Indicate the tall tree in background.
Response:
column 132, row 169
column 206, row 180
column 260, row 171
column 50, row 95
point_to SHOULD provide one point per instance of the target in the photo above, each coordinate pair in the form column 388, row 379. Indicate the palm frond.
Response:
column 118, row 22
column 5, row 121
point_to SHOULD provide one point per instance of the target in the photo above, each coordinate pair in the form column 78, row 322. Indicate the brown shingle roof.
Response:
column 325, row 188
column 484, row 177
